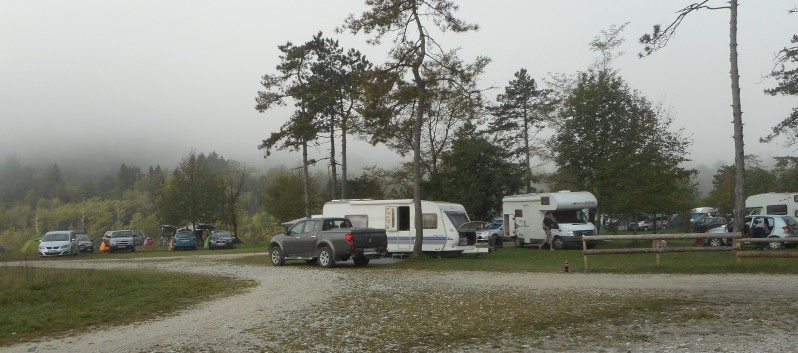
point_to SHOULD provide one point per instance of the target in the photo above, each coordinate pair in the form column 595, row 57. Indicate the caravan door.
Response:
column 397, row 225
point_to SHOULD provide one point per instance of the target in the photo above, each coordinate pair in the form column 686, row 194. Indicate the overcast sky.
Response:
column 87, row 79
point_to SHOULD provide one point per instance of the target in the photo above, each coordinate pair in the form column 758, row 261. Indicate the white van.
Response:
column 447, row 227
column 773, row 203
column 523, row 217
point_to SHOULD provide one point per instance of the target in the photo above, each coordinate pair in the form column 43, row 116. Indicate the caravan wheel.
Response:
column 519, row 243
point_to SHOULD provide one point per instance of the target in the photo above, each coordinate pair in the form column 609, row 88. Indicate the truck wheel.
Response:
column 557, row 243
column 278, row 259
column 326, row 258
column 361, row 261
column 519, row 243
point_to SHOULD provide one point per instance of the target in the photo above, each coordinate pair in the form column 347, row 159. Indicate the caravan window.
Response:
column 457, row 218
column 429, row 221
column 519, row 213
column 544, row 200
column 360, row 220
column 776, row 209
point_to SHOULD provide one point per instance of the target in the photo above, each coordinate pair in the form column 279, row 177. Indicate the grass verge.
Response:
column 39, row 302
column 531, row 259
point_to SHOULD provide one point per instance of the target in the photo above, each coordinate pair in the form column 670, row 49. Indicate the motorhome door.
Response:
column 397, row 225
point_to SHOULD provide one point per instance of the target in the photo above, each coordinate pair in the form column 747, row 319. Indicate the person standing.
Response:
column 548, row 225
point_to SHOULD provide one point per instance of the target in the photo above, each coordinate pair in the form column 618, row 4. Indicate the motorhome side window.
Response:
column 544, row 200
column 429, row 221
column 795, row 198
column 776, row 209
column 519, row 213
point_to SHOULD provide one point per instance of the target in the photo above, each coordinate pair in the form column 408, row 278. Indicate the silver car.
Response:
column 769, row 226
column 59, row 243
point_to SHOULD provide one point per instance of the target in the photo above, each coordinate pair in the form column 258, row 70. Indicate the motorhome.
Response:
column 446, row 226
column 523, row 217
column 773, row 203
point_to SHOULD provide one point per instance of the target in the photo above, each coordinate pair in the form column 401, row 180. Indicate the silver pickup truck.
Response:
column 326, row 241
column 119, row 240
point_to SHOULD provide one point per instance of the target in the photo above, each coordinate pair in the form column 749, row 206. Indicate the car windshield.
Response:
column 83, row 237
column 121, row 234
column 56, row 237
column 223, row 235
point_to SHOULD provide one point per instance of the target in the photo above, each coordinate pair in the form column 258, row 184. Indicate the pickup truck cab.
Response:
column 119, row 240
column 326, row 241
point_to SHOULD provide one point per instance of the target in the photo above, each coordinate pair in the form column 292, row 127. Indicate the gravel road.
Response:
column 758, row 312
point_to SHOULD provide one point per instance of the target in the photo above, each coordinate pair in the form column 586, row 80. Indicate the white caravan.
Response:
column 523, row 217
column 446, row 225
column 773, row 203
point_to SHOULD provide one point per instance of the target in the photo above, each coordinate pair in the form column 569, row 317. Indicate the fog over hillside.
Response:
column 88, row 162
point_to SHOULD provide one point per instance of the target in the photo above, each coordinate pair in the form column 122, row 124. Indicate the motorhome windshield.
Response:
column 572, row 216
column 457, row 218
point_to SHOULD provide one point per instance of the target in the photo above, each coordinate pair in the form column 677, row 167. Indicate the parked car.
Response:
column 718, row 241
column 119, row 240
column 84, row 243
column 221, row 239
column 59, row 243
column 183, row 239
column 494, row 230
column 702, row 225
column 769, row 226
column 138, row 237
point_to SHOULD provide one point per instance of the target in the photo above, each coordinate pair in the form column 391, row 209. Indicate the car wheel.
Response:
column 715, row 242
column 557, row 243
column 519, row 243
column 775, row 246
column 326, row 258
column 276, row 253
column 361, row 261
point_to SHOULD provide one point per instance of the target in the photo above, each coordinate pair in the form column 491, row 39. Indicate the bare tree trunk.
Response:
column 527, row 169
column 306, row 177
column 343, row 158
column 737, row 112
column 333, row 166
column 417, row 246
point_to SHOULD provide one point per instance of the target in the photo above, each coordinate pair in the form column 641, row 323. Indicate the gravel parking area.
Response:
column 751, row 313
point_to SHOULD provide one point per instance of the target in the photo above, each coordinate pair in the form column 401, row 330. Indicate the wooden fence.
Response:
column 760, row 253
column 657, row 245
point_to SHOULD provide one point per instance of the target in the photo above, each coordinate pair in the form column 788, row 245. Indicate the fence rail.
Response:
column 657, row 246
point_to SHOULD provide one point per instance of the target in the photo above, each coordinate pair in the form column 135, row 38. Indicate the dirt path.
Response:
column 219, row 325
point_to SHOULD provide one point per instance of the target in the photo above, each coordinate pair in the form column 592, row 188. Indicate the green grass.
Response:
column 141, row 251
column 531, row 259
column 42, row 301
